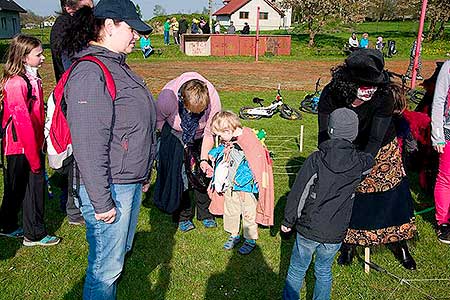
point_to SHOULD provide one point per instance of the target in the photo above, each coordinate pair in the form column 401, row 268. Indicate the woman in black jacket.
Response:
column 383, row 208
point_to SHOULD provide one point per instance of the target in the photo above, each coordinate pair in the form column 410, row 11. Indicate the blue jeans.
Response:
column 300, row 260
column 108, row 243
column 166, row 37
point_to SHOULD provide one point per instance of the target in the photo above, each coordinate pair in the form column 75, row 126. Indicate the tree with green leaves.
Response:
column 138, row 10
column 438, row 14
column 158, row 10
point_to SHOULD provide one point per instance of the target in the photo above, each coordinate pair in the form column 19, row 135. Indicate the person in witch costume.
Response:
column 383, row 208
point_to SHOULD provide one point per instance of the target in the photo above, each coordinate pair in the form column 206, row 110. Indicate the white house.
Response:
column 271, row 16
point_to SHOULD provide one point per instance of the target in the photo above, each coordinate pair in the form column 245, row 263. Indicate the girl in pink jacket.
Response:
column 23, row 139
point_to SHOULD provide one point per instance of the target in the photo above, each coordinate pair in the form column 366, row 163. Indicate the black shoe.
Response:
column 444, row 233
column 401, row 253
column 348, row 251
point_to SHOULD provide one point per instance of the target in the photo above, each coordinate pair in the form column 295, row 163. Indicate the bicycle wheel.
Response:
column 243, row 114
column 308, row 106
column 289, row 113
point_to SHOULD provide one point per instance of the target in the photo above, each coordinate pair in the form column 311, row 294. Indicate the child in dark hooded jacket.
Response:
column 320, row 203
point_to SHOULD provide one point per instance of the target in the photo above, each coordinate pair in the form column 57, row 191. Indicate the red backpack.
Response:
column 57, row 132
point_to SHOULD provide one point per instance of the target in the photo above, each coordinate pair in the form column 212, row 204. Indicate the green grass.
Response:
column 166, row 264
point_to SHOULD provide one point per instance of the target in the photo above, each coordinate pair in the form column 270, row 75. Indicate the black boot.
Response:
column 347, row 253
column 401, row 253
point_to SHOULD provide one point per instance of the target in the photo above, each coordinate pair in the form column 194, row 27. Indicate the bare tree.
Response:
column 317, row 13
column 438, row 13
column 158, row 10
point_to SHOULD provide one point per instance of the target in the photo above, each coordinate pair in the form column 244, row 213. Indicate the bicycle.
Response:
column 310, row 103
column 412, row 95
column 277, row 105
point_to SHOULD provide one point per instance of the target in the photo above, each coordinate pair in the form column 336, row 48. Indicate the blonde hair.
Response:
column 399, row 96
column 195, row 95
column 225, row 120
column 17, row 52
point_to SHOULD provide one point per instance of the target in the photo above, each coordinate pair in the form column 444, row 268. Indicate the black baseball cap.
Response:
column 123, row 10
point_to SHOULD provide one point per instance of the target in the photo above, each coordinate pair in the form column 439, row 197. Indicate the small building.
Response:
column 271, row 16
column 9, row 18
column 49, row 21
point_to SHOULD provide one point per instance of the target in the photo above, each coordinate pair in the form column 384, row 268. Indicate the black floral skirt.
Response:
column 383, row 209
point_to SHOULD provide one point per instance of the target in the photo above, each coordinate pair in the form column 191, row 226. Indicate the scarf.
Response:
column 189, row 122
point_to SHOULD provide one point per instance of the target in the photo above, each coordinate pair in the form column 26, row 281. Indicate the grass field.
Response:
column 167, row 264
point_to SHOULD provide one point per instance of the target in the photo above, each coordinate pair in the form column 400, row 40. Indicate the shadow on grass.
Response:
column 9, row 247
column 147, row 272
column 147, row 268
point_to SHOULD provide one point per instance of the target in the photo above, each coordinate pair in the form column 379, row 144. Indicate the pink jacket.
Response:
column 167, row 105
column 261, row 165
column 27, row 119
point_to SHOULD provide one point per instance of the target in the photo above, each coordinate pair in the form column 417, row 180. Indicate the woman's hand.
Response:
column 145, row 186
column 285, row 229
column 206, row 168
column 439, row 148
column 107, row 217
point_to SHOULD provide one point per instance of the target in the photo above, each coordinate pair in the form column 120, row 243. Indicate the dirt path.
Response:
column 242, row 76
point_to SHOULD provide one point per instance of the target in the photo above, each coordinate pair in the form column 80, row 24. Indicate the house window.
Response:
column 243, row 15
column 3, row 23
column 14, row 24
column 263, row 15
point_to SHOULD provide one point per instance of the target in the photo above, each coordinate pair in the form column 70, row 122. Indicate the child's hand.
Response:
column 285, row 229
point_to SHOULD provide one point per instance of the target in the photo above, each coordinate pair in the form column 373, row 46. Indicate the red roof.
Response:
column 235, row 5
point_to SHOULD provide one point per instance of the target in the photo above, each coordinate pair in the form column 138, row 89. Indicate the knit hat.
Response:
column 366, row 67
column 343, row 124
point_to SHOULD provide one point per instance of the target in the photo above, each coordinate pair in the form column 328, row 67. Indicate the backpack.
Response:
column 2, row 111
column 57, row 132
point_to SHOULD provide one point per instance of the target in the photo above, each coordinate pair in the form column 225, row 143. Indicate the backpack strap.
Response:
column 110, row 85
column 29, row 87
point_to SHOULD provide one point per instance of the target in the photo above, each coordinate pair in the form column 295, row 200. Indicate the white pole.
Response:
column 301, row 138
column 367, row 259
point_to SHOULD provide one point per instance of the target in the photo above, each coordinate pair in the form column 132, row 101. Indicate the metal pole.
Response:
column 211, row 27
column 418, row 43
column 257, row 35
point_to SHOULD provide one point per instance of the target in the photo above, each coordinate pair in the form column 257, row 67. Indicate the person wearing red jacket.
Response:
column 23, row 128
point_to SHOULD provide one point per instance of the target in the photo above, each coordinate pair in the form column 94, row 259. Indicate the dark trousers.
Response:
column 187, row 210
column 67, row 199
column 25, row 189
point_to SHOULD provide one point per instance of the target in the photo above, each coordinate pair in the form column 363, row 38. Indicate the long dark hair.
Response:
column 82, row 29
column 344, row 87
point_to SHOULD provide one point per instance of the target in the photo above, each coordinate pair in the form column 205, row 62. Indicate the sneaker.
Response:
column 48, row 240
column 419, row 77
column 407, row 77
column 247, row 247
column 209, row 223
column 231, row 242
column 18, row 233
column 79, row 222
column 444, row 233
column 185, row 226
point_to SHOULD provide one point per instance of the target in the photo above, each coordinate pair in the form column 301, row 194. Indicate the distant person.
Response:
column 353, row 43
column 195, row 29
column 246, row 29
column 242, row 185
column 167, row 32
column 319, row 205
column 412, row 55
column 23, row 125
column 146, row 45
column 217, row 27
column 231, row 29
column 183, row 26
column 204, row 26
column 174, row 25
column 364, row 42
column 379, row 45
